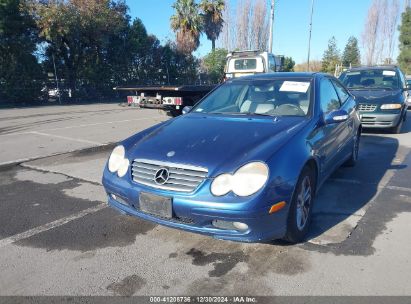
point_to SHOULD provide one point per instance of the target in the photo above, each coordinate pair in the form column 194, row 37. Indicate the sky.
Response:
column 339, row 18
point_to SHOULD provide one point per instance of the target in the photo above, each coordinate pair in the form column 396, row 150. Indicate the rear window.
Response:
column 245, row 64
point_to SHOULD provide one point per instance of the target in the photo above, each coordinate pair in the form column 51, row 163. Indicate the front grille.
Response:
column 367, row 107
column 182, row 178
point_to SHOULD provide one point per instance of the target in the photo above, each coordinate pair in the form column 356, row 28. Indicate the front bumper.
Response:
column 380, row 120
column 191, row 214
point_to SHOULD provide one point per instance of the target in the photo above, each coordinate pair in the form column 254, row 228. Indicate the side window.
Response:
column 271, row 64
column 328, row 96
column 341, row 91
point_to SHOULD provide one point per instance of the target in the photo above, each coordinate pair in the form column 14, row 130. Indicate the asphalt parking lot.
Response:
column 58, row 237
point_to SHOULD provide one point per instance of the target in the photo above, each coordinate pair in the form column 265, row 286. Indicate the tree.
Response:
column 21, row 77
column 247, row 27
column 404, row 58
column 351, row 55
column 331, row 57
column 315, row 66
column 214, row 64
column 289, row 64
column 391, row 19
column 212, row 19
column 187, row 24
column 84, row 37
column 371, row 33
column 379, row 32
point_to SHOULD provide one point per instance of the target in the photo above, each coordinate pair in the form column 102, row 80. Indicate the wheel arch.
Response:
column 313, row 165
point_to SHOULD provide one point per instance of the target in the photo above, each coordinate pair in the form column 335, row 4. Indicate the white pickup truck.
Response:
column 243, row 63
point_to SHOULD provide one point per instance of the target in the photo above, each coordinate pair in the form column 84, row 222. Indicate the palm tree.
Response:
column 212, row 18
column 187, row 24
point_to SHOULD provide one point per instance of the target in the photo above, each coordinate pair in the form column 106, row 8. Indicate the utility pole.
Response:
column 57, row 82
column 270, row 38
column 309, row 37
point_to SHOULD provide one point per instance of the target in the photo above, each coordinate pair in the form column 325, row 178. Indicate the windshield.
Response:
column 370, row 79
column 259, row 97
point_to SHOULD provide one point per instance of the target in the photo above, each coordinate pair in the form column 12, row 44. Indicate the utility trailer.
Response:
column 171, row 99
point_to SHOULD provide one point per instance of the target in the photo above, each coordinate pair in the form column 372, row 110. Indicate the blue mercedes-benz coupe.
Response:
column 243, row 164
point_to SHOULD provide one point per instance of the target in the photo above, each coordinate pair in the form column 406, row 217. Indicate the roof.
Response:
column 374, row 67
column 279, row 75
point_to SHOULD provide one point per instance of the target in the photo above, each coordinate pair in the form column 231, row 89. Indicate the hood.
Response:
column 378, row 96
column 218, row 143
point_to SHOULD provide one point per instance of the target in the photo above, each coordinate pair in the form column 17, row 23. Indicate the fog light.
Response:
column 118, row 199
column 240, row 226
column 229, row 225
column 223, row 225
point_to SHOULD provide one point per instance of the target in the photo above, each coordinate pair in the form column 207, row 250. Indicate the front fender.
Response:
column 287, row 163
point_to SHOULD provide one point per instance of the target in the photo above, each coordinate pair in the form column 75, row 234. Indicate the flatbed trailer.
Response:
column 171, row 99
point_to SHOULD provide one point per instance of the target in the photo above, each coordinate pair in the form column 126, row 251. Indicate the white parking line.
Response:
column 52, row 225
column 350, row 181
column 82, row 126
column 67, row 138
column 102, row 123
column 398, row 188
column 357, row 182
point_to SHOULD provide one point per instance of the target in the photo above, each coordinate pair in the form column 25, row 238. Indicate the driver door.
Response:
column 332, row 133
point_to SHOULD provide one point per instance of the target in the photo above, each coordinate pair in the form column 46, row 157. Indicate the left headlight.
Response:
column 391, row 106
column 246, row 181
column 118, row 161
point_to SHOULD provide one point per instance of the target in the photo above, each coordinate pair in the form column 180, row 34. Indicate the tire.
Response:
column 352, row 161
column 299, row 215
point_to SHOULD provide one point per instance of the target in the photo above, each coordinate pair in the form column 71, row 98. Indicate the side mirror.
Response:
column 336, row 116
column 186, row 109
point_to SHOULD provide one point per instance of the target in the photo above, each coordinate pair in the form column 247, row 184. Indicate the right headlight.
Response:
column 246, row 181
column 391, row 106
column 117, row 158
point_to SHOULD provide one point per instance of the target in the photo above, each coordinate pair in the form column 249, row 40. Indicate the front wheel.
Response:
column 351, row 162
column 299, row 215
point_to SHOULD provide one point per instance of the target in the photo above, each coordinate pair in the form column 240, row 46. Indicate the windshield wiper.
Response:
column 357, row 88
column 371, row 88
column 252, row 113
column 242, row 113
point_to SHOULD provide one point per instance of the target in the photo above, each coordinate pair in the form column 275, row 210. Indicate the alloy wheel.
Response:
column 303, row 203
